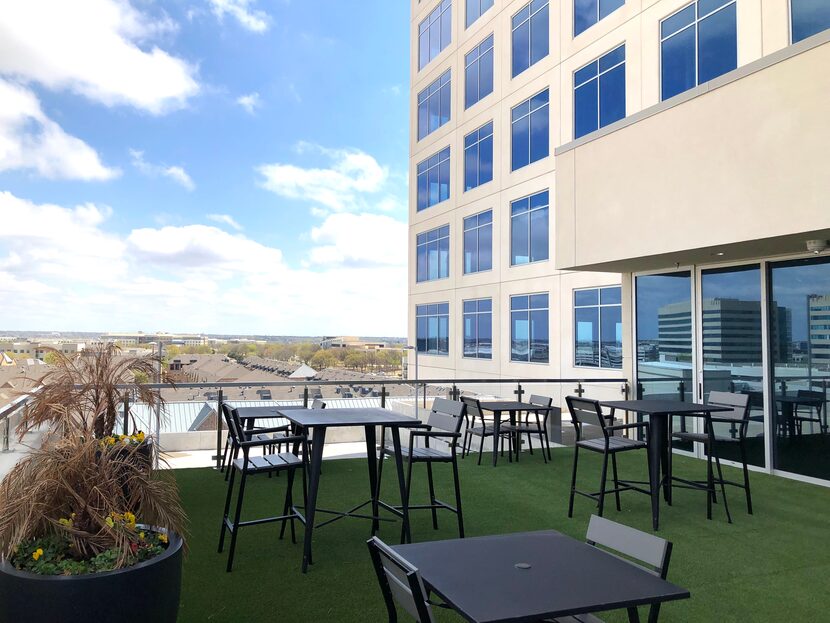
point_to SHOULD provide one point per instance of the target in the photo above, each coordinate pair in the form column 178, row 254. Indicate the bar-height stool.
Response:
column 538, row 426
column 444, row 424
column 272, row 435
column 738, row 416
column 399, row 583
column 586, row 412
column 249, row 465
column 812, row 400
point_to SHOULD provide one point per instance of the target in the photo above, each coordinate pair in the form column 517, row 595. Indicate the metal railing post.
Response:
column 305, row 397
column 126, row 413
column 681, row 391
column 383, row 396
column 625, row 390
column 579, row 389
column 639, row 391
column 425, row 396
column 519, row 392
column 6, row 433
column 455, row 392
column 219, row 400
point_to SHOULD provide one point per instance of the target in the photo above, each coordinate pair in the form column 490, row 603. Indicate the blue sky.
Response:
column 204, row 165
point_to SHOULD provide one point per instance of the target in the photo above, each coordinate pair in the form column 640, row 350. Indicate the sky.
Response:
column 218, row 166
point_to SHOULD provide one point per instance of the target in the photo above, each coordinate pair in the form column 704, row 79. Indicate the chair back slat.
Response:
column 584, row 411
column 232, row 421
column 447, row 415
column 403, row 581
column 641, row 546
column 473, row 406
column 542, row 401
column 739, row 403
column 318, row 404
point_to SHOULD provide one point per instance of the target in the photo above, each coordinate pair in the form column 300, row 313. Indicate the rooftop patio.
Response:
column 767, row 566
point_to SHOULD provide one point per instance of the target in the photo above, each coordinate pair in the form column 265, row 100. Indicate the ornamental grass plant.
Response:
column 87, row 500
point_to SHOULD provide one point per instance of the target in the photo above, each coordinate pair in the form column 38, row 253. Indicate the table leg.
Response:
column 666, row 457
column 633, row 615
column 396, row 442
column 496, row 436
column 787, row 408
column 313, row 486
column 371, row 458
column 657, row 439
column 517, row 437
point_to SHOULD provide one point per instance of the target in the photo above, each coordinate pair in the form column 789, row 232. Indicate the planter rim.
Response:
column 174, row 545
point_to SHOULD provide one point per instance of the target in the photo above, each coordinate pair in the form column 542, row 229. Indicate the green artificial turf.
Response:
column 771, row 566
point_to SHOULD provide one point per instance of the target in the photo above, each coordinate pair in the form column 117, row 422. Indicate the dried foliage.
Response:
column 80, row 396
column 73, row 486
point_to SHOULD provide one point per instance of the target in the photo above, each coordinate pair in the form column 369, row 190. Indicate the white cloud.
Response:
column 31, row 140
column 227, row 219
column 250, row 19
column 250, row 102
column 65, row 271
column 100, row 49
column 175, row 173
column 359, row 240
column 340, row 187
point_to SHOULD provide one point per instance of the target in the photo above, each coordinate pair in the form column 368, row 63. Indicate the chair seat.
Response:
column 704, row 438
column 420, row 454
column 615, row 444
column 268, row 462
column 481, row 430
column 262, row 437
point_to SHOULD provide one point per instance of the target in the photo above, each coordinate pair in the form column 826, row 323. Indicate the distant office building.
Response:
column 818, row 306
column 351, row 342
column 136, row 339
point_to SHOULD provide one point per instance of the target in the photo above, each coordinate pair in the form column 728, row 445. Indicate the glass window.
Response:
column 433, row 254
column 599, row 92
column 434, row 179
column 529, row 231
column 478, row 157
column 478, row 72
column 475, row 9
column 697, row 44
column 529, row 131
column 799, row 336
column 434, row 106
column 433, row 328
column 434, row 33
column 809, row 17
column 530, row 35
column 589, row 12
column 598, row 327
column 478, row 242
column 478, row 328
column 529, row 332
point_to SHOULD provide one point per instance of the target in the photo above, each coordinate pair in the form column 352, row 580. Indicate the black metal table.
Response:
column 480, row 579
column 659, row 442
column 497, row 407
column 319, row 420
column 249, row 415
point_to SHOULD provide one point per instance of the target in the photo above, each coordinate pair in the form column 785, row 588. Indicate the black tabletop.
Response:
column 511, row 405
column 246, row 413
column 479, row 577
column 347, row 417
column 663, row 407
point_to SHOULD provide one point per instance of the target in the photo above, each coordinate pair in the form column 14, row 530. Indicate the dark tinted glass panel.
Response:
column 678, row 63
column 520, row 239
column 539, row 145
column 611, row 336
column 586, row 115
column 539, row 235
column 612, row 96
column 586, row 297
column 539, row 35
column 606, row 7
column 679, row 20
column 809, row 17
column 520, row 150
column 799, row 333
column 586, row 332
column 717, row 44
column 521, row 48
column 585, row 14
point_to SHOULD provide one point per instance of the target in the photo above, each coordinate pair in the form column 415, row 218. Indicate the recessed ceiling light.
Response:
column 718, row 253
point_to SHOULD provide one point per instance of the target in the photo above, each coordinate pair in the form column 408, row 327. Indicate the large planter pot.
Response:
column 147, row 591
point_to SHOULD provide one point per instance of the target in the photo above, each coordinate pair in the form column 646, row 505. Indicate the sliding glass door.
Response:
column 731, row 350
column 799, row 331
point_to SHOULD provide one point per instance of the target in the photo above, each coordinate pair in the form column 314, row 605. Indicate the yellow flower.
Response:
column 110, row 522
column 65, row 522
column 141, row 535
column 162, row 538
column 130, row 519
column 110, row 441
column 139, row 436
column 37, row 553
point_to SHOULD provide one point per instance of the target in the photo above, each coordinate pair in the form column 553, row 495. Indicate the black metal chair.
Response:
column 586, row 412
column 254, row 434
column 478, row 426
column 537, row 426
column 738, row 419
column 444, row 425
column 637, row 548
column 813, row 400
column 250, row 465
column 399, row 582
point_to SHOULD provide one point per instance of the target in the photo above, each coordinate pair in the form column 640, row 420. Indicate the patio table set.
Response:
column 548, row 576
